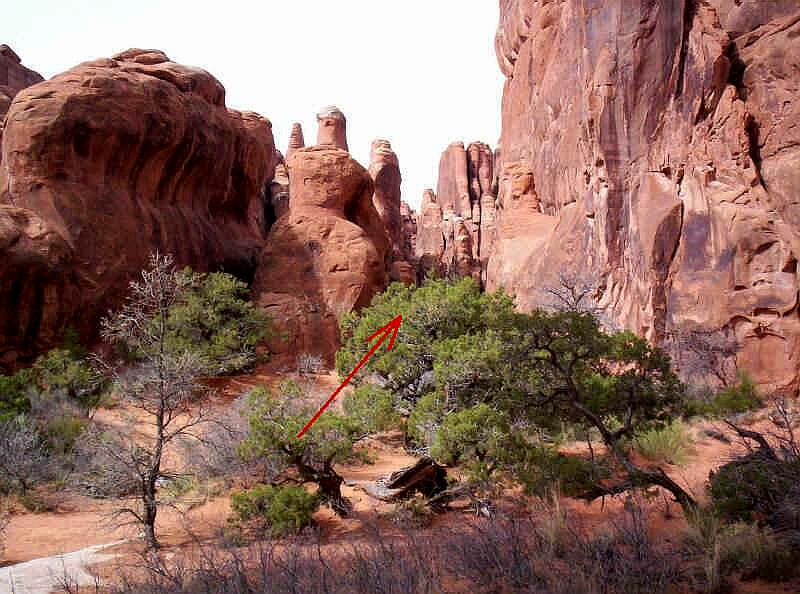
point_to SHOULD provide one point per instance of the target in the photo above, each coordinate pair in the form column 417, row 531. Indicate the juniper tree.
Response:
column 488, row 387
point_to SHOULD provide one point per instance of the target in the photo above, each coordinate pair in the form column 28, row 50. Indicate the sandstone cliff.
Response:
column 107, row 162
column 660, row 139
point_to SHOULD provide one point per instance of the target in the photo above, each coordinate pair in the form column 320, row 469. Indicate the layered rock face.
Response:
column 108, row 162
column 13, row 78
column 456, row 225
column 327, row 256
column 662, row 140
column 296, row 139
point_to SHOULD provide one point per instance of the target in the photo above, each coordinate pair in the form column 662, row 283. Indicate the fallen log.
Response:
column 425, row 477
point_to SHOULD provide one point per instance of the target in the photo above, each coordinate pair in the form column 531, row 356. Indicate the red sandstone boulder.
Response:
column 104, row 164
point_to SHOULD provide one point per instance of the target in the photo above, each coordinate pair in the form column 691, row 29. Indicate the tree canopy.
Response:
column 487, row 386
column 276, row 417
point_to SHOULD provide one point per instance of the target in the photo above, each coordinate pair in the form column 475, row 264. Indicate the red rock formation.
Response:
column 444, row 241
column 456, row 213
column 384, row 169
column 107, row 162
column 663, row 139
column 429, row 237
column 279, row 189
column 408, row 231
column 332, row 128
column 296, row 140
column 327, row 256
column 13, row 78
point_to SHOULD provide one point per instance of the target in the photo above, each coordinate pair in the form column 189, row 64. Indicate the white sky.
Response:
column 421, row 73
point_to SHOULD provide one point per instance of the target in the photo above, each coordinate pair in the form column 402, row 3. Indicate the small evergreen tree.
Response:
column 215, row 320
column 276, row 419
column 162, row 388
column 14, row 400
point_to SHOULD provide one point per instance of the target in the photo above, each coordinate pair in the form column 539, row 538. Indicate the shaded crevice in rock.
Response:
column 689, row 12
column 737, row 70
column 663, row 267
column 753, row 132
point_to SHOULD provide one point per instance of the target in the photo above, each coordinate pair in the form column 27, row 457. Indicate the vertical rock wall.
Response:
column 662, row 139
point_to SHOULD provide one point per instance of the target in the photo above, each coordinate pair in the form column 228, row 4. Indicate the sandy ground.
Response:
column 41, row 546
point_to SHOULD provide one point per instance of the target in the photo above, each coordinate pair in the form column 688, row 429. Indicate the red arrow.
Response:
column 391, row 328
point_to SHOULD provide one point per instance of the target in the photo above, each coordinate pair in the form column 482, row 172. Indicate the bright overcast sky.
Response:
column 421, row 73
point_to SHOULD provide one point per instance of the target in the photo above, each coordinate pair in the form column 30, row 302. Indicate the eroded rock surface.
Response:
column 104, row 164
column 456, row 225
column 384, row 169
column 332, row 128
column 663, row 140
column 13, row 78
column 296, row 139
column 327, row 256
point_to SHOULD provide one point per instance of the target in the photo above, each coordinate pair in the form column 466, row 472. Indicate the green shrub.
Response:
column 753, row 487
column 60, row 370
column 63, row 370
column 666, row 444
column 756, row 553
column 546, row 470
column 178, row 486
column 62, row 433
column 71, row 342
column 735, row 399
column 216, row 321
column 425, row 419
column 282, row 509
column 14, row 400
column 372, row 407
column 471, row 435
